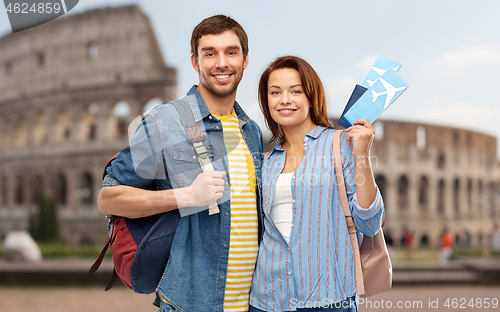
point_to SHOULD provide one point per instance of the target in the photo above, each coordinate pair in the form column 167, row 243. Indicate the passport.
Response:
column 356, row 94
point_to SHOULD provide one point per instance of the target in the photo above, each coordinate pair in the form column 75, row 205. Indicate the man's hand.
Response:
column 205, row 189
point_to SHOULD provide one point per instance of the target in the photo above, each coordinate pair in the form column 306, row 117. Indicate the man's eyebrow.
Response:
column 235, row 47
column 206, row 48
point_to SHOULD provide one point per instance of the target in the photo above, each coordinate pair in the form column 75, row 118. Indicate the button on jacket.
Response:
column 194, row 278
column 317, row 264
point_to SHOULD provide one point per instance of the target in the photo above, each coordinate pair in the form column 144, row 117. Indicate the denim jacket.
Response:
column 195, row 276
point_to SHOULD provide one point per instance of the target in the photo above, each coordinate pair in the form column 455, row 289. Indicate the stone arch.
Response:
column 86, row 190
column 60, row 187
column 456, row 196
column 441, row 197
column 423, row 193
column 4, row 191
column 88, row 124
column 21, row 132
column 37, row 188
column 492, row 199
column 441, row 161
column 62, row 126
column 121, row 113
column 381, row 182
column 41, row 59
column 469, row 196
column 150, row 105
column 7, row 133
column 480, row 195
column 19, row 190
column 403, row 185
column 40, row 129
column 92, row 50
column 421, row 138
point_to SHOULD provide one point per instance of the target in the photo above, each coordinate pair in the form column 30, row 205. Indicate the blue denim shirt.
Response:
column 195, row 276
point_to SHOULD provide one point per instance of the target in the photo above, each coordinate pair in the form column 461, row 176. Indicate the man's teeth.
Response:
column 221, row 76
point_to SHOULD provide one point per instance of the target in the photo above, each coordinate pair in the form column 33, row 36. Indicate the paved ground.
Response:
column 84, row 299
column 459, row 286
column 16, row 299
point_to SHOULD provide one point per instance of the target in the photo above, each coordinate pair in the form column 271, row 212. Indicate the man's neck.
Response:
column 218, row 105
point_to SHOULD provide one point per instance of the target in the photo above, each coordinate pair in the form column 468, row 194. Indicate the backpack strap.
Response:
column 351, row 228
column 196, row 136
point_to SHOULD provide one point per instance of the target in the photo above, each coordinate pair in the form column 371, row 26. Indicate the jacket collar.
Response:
column 313, row 134
column 200, row 109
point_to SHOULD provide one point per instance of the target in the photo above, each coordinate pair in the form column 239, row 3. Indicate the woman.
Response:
column 305, row 256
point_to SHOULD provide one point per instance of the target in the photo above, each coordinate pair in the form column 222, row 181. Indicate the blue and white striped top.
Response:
column 317, row 266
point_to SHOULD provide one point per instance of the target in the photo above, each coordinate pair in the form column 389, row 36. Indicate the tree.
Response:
column 44, row 224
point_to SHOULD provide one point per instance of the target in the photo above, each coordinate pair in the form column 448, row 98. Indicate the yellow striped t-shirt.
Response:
column 243, row 244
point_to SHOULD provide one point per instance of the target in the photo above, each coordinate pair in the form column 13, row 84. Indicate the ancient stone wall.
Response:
column 68, row 92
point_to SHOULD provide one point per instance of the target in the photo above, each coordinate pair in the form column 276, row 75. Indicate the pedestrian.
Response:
column 408, row 243
column 446, row 247
column 495, row 238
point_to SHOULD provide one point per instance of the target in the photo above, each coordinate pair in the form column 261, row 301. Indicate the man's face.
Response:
column 220, row 63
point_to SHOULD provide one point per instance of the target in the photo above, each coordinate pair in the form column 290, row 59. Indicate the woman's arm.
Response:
column 366, row 204
column 360, row 137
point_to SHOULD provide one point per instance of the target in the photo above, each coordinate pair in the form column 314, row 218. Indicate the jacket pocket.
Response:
column 187, row 166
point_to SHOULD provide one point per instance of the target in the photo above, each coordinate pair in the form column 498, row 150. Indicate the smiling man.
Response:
column 212, row 257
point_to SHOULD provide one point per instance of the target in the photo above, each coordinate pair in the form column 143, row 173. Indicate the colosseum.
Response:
column 434, row 177
column 70, row 88
column 68, row 91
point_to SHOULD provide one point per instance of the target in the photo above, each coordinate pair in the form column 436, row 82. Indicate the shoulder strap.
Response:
column 348, row 217
column 196, row 136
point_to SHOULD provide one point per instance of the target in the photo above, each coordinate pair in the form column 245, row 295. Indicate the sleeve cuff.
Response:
column 110, row 181
column 370, row 212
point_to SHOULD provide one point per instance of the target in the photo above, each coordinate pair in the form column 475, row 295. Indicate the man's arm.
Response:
column 131, row 202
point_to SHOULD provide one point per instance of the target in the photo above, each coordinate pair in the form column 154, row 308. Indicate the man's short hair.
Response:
column 215, row 25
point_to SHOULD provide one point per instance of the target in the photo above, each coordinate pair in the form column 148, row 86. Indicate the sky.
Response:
column 449, row 50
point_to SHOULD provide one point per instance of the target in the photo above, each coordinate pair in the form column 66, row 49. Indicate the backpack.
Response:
column 140, row 247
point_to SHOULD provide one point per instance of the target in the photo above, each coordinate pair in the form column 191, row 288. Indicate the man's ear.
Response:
column 194, row 63
column 245, row 62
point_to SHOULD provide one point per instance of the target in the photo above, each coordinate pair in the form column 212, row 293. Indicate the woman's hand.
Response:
column 360, row 137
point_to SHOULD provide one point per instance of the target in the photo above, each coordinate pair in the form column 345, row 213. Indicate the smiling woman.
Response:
column 311, row 257
column 310, row 86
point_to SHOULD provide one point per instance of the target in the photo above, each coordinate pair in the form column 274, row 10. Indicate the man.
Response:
column 212, row 256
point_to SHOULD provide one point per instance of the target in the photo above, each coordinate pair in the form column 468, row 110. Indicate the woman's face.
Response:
column 287, row 101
